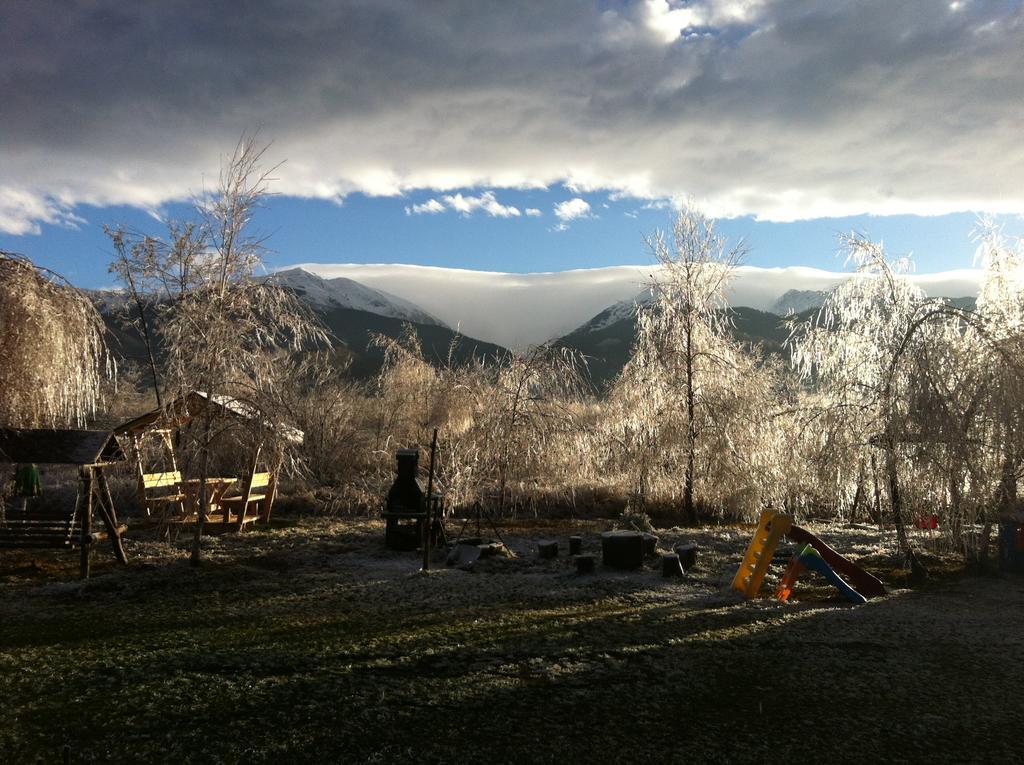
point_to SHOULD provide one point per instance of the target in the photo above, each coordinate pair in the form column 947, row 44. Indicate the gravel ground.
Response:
column 312, row 643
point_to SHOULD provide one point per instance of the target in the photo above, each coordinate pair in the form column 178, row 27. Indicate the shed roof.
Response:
column 59, row 447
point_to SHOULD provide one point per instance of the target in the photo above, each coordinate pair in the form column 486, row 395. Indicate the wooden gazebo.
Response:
column 38, row 527
column 228, row 498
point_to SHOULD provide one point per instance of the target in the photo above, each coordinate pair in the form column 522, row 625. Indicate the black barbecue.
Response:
column 405, row 510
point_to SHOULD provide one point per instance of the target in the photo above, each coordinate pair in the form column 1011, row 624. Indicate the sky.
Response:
column 520, row 136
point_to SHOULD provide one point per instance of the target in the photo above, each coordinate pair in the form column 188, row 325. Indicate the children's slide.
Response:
column 863, row 582
column 811, row 558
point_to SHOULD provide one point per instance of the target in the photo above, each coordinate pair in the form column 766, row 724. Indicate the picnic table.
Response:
column 216, row 488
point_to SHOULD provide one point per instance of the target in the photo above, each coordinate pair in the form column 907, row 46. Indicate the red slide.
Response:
column 862, row 581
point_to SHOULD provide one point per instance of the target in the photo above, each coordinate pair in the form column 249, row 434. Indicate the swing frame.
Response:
column 92, row 451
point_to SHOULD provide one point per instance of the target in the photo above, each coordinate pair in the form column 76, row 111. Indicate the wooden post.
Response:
column 110, row 516
column 85, row 473
column 429, row 504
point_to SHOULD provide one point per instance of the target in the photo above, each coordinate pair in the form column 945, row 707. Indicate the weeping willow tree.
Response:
column 869, row 351
column 52, row 355
column 975, row 408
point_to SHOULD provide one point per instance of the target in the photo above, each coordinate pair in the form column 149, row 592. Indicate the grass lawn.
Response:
column 311, row 643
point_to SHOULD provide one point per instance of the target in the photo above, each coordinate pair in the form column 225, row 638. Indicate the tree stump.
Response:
column 584, row 564
column 622, row 549
column 687, row 556
column 670, row 566
column 650, row 545
column 547, row 549
column 575, row 545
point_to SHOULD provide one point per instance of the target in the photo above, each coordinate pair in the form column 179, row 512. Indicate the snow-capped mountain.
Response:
column 518, row 310
column 341, row 292
column 613, row 314
column 108, row 301
column 798, row 301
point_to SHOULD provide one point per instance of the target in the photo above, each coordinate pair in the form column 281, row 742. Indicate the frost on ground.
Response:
column 312, row 643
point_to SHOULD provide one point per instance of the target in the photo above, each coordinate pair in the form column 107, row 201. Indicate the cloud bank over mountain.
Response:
column 517, row 310
column 781, row 109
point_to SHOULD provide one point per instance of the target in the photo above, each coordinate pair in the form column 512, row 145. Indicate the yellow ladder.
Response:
column 759, row 554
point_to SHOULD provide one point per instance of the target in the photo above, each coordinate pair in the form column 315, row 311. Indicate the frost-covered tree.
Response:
column 52, row 354
column 867, row 351
column 684, row 373
column 222, row 325
column 975, row 400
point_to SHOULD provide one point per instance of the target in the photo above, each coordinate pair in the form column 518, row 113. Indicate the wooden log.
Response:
column 687, row 555
column 622, row 549
column 575, row 545
column 584, row 564
column 547, row 548
column 670, row 566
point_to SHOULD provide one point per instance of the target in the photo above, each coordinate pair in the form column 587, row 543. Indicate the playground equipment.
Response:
column 866, row 584
column 759, row 553
column 809, row 558
column 815, row 554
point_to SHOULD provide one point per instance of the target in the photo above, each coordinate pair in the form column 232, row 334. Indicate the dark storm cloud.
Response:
column 781, row 109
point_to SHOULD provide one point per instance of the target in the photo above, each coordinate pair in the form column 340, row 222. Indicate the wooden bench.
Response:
column 46, row 528
column 158, row 490
column 259, row 490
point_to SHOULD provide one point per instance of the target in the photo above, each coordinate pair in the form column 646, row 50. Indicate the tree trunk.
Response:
column 148, row 340
column 917, row 569
column 876, row 515
column 955, row 513
column 689, row 511
column 858, row 495
column 197, row 544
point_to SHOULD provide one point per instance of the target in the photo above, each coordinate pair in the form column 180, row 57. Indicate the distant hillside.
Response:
column 353, row 313
column 355, row 330
column 352, row 329
column 607, row 339
column 517, row 310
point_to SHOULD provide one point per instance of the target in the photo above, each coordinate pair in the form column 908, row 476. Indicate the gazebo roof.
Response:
column 59, row 447
column 185, row 408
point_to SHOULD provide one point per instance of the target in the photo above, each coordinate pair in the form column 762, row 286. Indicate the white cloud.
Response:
column 533, row 212
column 779, row 110
column 571, row 209
column 467, row 205
column 430, row 207
column 22, row 212
column 667, row 22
